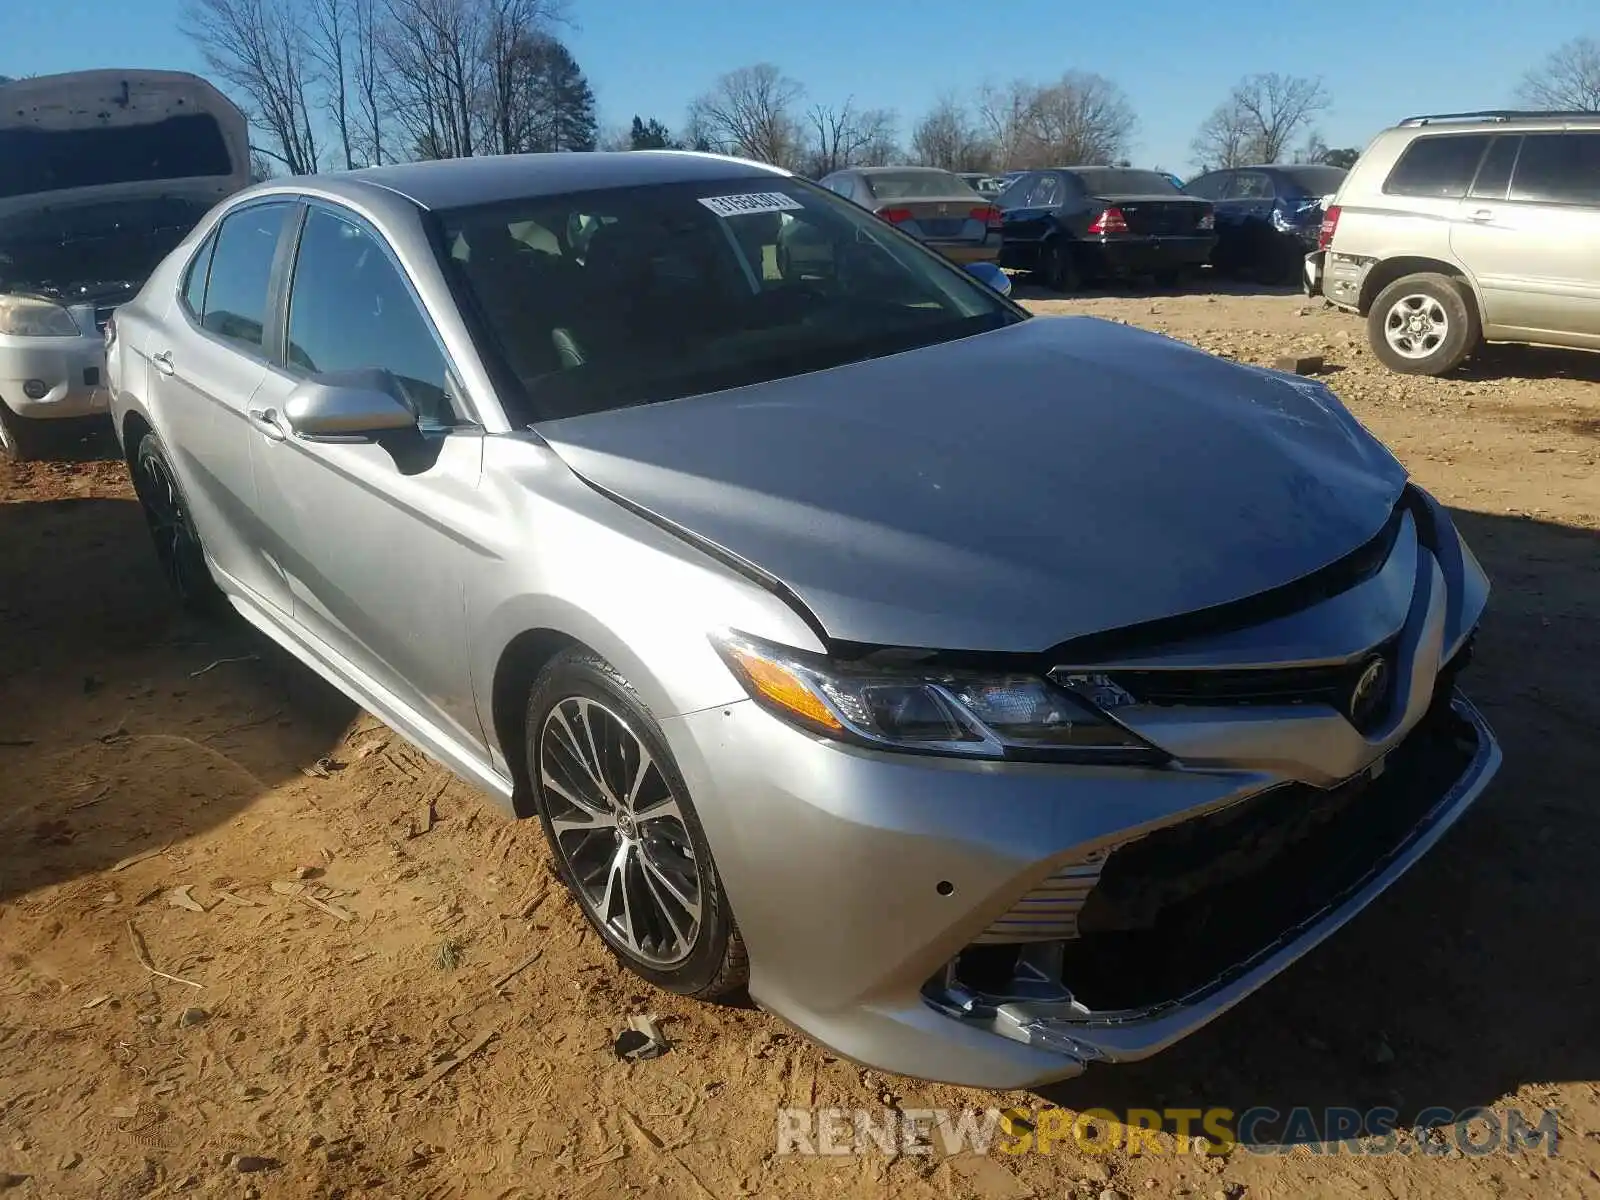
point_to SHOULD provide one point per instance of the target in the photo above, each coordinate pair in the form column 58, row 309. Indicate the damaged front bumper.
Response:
column 1003, row 924
column 1034, row 1006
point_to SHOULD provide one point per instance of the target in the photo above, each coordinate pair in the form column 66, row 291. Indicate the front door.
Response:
column 205, row 366
column 373, row 536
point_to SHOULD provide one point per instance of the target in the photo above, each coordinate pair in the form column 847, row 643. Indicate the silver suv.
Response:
column 1458, row 229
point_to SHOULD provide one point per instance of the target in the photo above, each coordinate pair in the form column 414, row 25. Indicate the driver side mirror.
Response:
column 991, row 275
column 346, row 405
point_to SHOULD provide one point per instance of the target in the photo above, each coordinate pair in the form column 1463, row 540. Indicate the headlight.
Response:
column 931, row 711
column 28, row 316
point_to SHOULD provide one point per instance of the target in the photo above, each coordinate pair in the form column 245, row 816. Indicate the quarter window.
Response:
column 351, row 309
column 194, row 283
column 241, row 272
column 1437, row 168
column 1558, row 168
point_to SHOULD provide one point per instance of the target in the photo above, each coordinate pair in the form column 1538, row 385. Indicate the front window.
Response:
column 52, row 160
column 635, row 295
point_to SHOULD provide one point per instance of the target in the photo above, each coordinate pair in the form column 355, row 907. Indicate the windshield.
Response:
column 1315, row 181
column 912, row 185
column 626, row 296
column 51, row 160
column 1113, row 181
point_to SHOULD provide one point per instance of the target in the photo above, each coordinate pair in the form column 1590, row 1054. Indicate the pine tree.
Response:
column 651, row 135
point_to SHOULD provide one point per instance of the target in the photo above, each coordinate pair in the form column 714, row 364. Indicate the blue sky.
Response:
column 1176, row 59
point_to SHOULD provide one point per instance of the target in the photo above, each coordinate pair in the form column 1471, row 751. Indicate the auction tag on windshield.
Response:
column 751, row 202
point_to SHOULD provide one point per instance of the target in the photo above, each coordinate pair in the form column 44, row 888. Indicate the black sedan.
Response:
column 1068, row 224
column 1267, row 217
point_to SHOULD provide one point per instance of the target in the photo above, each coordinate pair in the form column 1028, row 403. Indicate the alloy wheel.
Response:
column 1416, row 326
column 619, row 827
column 176, row 542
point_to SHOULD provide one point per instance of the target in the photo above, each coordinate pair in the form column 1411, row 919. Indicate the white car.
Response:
column 105, row 172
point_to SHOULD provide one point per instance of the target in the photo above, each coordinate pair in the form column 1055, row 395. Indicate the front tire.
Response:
column 626, row 838
column 172, row 531
column 1424, row 324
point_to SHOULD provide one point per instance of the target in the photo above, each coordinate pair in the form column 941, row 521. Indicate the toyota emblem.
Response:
column 1371, row 690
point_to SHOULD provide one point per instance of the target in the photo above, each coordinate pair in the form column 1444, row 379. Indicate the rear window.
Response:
column 1437, row 168
column 1314, row 181
column 672, row 290
column 911, row 185
column 1558, row 168
column 1114, row 181
column 39, row 160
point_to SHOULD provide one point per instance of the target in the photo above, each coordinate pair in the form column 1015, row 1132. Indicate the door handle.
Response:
column 163, row 362
column 1483, row 214
column 266, row 420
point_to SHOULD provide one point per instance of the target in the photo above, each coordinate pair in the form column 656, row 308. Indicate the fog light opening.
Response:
column 944, row 887
column 35, row 389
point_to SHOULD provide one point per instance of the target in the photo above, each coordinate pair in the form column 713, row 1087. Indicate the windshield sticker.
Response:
column 751, row 202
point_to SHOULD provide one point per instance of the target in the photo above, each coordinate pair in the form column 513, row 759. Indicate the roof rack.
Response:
column 1497, row 114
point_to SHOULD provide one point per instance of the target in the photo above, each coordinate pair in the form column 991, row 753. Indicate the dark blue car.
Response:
column 1267, row 216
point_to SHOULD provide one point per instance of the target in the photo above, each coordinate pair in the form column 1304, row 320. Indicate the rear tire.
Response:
column 1424, row 324
column 625, row 836
column 21, row 439
column 1060, row 270
column 172, row 532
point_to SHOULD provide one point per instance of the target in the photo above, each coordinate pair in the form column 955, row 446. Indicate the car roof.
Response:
column 907, row 171
column 488, row 179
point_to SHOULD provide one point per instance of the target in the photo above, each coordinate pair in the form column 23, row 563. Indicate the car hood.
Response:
column 1008, row 491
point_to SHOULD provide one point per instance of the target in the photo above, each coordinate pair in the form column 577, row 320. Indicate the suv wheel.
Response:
column 1423, row 325
column 627, row 840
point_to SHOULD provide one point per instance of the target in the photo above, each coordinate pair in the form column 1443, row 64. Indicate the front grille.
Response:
column 1330, row 685
column 1181, row 906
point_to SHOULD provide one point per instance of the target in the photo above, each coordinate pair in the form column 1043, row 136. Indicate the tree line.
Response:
column 346, row 83
column 352, row 83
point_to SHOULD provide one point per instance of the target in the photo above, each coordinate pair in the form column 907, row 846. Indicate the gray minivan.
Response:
column 1458, row 229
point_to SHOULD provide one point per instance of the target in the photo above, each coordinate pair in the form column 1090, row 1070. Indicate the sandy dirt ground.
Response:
column 255, row 945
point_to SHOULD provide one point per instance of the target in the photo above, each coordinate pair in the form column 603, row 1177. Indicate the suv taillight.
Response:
column 111, row 330
column 1110, row 221
column 1330, row 223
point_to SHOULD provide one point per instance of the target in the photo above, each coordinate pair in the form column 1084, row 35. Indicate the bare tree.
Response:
column 947, row 137
column 750, row 113
column 1260, row 118
column 326, row 41
column 514, row 33
column 1080, row 118
column 257, row 49
column 371, row 115
column 1568, row 81
column 847, row 137
column 434, row 72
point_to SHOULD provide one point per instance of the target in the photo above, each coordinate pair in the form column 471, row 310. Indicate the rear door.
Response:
column 206, row 362
column 1529, row 232
column 373, row 537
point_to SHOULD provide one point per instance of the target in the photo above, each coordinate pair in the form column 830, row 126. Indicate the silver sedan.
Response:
column 981, row 740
